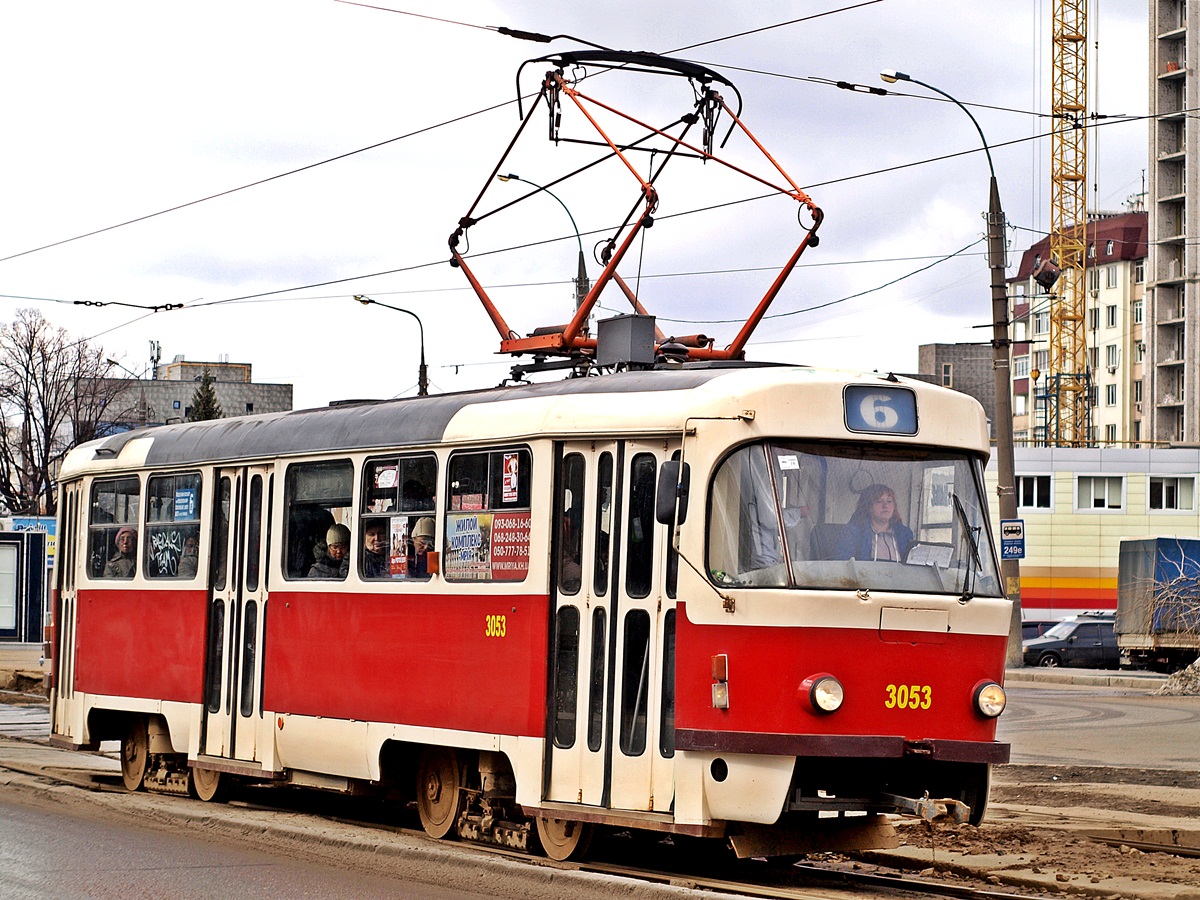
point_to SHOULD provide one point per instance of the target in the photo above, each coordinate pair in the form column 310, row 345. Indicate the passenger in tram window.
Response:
column 190, row 557
column 875, row 530
column 307, row 524
column 375, row 548
column 336, row 561
column 422, row 544
column 121, row 563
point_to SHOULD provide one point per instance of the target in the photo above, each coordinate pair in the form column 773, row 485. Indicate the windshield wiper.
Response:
column 969, row 531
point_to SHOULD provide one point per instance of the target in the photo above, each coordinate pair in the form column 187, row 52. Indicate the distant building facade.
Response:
column 964, row 367
column 1117, row 350
column 167, row 399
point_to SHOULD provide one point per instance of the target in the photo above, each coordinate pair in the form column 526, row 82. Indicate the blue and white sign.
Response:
column 185, row 504
column 880, row 410
column 1012, row 538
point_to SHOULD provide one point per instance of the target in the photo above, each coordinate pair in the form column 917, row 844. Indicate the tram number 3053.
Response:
column 909, row 696
column 495, row 626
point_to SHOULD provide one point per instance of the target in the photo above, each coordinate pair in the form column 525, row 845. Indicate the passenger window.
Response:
column 254, row 532
column 596, row 686
column 488, row 516
column 398, row 514
column 113, row 528
column 604, row 488
column 570, row 536
column 666, row 728
column 566, row 676
column 635, row 682
column 318, row 509
column 639, row 539
column 173, row 526
column 220, row 547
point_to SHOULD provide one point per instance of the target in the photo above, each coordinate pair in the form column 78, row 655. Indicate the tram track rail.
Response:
column 617, row 855
column 757, row 879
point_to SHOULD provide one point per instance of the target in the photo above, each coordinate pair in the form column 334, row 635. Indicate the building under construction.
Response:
column 1173, row 308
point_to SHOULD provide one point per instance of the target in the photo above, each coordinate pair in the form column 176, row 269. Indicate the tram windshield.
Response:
column 849, row 517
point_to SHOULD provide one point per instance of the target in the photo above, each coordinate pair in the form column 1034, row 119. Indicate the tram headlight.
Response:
column 823, row 692
column 990, row 699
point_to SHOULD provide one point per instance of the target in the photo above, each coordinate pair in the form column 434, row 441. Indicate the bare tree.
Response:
column 53, row 395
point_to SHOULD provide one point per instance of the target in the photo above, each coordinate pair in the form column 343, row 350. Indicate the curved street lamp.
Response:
column 1006, row 492
column 582, row 284
column 422, row 371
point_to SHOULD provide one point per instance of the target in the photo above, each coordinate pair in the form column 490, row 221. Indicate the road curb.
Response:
column 1143, row 681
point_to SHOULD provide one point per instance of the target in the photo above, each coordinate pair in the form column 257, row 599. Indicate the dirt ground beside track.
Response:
column 1040, row 818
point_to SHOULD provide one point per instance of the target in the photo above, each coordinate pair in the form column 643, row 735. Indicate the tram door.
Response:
column 70, row 495
column 237, row 612
column 612, row 710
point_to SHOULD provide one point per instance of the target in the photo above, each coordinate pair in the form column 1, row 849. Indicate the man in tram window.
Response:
column 422, row 544
column 190, row 557
column 124, row 558
column 375, row 549
column 336, row 561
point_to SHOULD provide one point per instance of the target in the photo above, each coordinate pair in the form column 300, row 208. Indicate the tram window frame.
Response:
column 330, row 489
column 641, row 524
column 597, row 668
column 481, row 485
column 572, row 484
column 666, row 715
column 604, row 508
column 398, row 490
column 635, row 681
column 166, row 533
column 566, row 676
column 123, row 511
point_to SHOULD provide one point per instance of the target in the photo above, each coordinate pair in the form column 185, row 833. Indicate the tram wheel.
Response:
column 439, row 794
column 563, row 839
column 135, row 753
column 206, row 784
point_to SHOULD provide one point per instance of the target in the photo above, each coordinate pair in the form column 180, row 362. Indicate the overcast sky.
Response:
column 118, row 110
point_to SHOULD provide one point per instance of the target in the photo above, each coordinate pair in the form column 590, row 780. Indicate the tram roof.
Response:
column 545, row 408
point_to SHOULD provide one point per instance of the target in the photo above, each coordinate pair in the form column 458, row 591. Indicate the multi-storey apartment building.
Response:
column 1172, row 309
column 1115, row 323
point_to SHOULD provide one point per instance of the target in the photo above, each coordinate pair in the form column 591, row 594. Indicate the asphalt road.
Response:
column 1100, row 726
column 47, row 851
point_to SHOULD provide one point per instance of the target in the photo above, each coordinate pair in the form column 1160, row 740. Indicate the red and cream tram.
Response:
column 652, row 599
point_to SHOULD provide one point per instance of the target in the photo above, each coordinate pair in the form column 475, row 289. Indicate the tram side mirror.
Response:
column 674, row 479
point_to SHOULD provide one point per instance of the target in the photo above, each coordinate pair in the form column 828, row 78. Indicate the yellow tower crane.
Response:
column 1068, row 411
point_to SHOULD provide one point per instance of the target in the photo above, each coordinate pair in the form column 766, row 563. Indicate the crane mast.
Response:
column 1068, row 414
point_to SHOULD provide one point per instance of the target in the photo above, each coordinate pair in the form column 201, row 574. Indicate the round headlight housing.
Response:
column 823, row 692
column 990, row 699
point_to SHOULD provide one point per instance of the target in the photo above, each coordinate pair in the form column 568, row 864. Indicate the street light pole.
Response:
column 422, row 371
column 1010, row 569
column 582, row 284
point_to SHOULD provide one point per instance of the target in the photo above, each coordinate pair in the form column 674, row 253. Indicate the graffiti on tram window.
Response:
column 166, row 547
column 487, row 546
column 172, row 552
